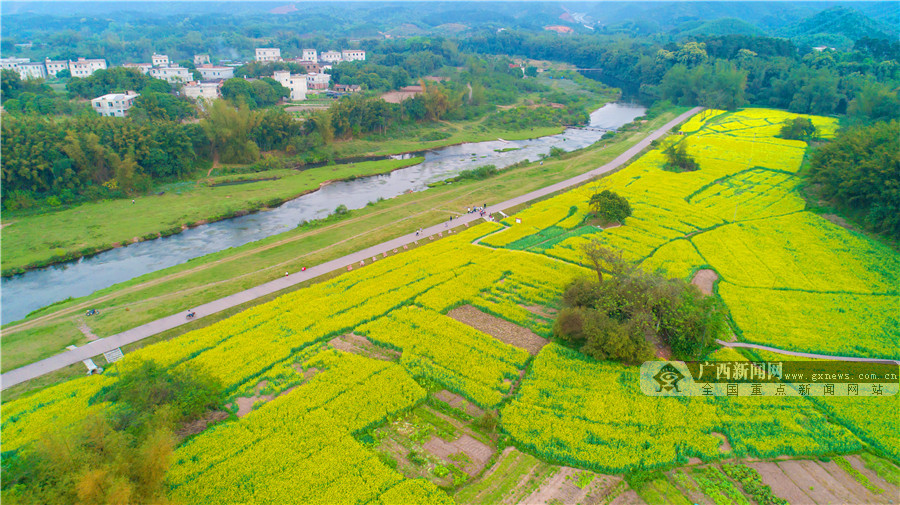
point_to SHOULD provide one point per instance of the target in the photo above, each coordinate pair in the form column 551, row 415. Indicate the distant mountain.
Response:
column 724, row 26
column 838, row 27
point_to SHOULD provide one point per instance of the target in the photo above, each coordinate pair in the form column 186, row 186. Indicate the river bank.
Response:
column 25, row 293
column 38, row 241
column 200, row 281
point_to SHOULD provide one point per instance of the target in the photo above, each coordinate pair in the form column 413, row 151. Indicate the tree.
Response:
column 860, row 172
column 799, row 128
column 120, row 457
column 678, row 158
column 609, row 207
column 228, row 130
column 619, row 316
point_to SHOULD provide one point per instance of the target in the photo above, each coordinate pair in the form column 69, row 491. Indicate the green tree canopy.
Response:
column 610, row 207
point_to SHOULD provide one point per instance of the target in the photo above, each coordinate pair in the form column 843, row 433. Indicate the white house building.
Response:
column 173, row 74
column 32, row 70
column 309, row 55
column 317, row 81
column 353, row 55
column 201, row 59
column 268, row 54
column 296, row 83
column 143, row 68
column 206, row 90
column 114, row 104
column 330, row 57
column 55, row 67
column 12, row 63
column 159, row 60
column 84, row 67
column 213, row 72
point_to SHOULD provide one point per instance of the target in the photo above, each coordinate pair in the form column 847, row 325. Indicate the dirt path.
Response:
column 807, row 354
column 705, row 280
column 88, row 334
column 501, row 329
column 102, row 345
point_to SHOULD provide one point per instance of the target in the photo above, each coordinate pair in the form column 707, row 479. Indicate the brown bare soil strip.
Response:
column 86, row 331
column 195, row 427
column 477, row 453
column 874, row 478
column 356, row 344
column 808, row 483
column 844, row 485
column 500, row 329
column 705, row 279
column 458, row 402
column 561, row 488
column 781, row 485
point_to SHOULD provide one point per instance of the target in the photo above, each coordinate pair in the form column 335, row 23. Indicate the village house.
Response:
column 212, row 72
column 143, row 68
column 159, row 60
column 317, row 81
column 172, row 74
column 311, row 67
column 114, row 104
column 207, row 90
column 268, row 54
column 330, row 57
column 294, row 82
column 353, row 55
column 86, row 67
column 346, row 88
column 12, row 63
column 55, row 67
column 32, row 70
column 310, row 55
column 201, row 59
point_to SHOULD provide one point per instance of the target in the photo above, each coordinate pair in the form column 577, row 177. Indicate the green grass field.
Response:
column 46, row 238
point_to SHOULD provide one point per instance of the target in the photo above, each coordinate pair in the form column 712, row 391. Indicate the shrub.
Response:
column 799, row 128
column 477, row 174
column 678, row 158
column 609, row 207
column 616, row 316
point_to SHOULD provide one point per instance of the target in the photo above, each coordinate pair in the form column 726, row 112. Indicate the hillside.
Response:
column 838, row 27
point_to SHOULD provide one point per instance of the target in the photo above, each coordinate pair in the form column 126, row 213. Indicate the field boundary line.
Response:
column 748, row 345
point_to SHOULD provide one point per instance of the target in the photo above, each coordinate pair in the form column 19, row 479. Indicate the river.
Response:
column 22, row 294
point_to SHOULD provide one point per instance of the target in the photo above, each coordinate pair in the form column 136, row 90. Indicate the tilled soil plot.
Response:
column 500, row 329
column 816, row 482
column 477, row 452
column 561, row 488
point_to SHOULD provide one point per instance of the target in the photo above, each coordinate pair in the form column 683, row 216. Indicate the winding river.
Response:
column 27, row 292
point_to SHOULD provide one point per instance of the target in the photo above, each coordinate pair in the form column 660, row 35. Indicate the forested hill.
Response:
column 840, row 27
column 88, row 26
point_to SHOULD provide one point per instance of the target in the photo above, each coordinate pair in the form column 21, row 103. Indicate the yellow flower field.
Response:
column 789, row 278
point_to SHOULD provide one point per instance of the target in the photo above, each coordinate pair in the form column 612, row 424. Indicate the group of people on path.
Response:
column 482, row 211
